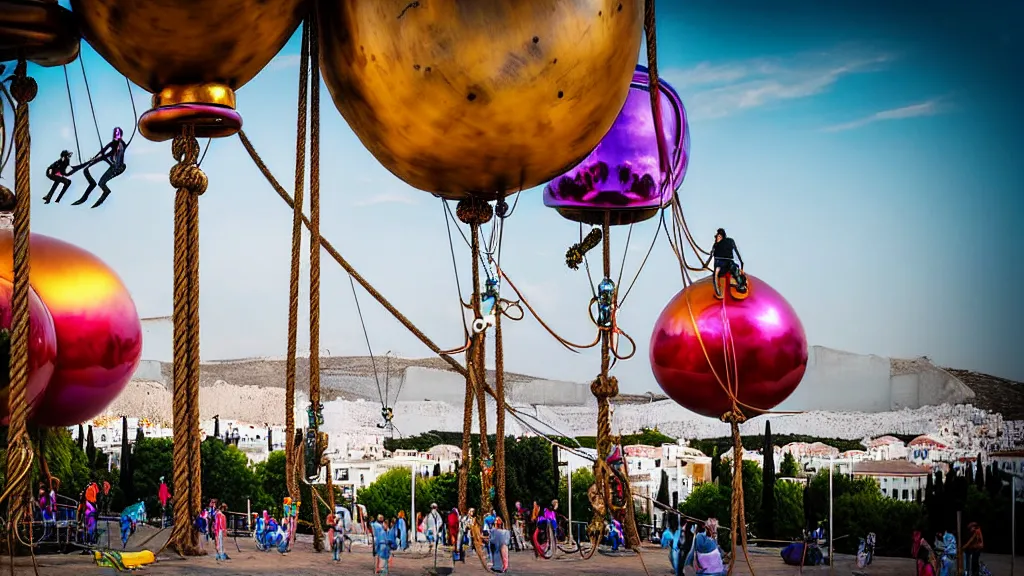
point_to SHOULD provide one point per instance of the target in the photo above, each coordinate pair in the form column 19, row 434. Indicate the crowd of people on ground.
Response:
column 689, row 543
column 940, row 557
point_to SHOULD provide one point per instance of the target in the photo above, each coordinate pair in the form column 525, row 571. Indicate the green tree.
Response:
column 227, row 475
column 789, row 467
column 528, row 474
column 752, row 487
column 789, row 509
column 582, row 479
column 442, row 490
column 663, row 497
column 766, row 522
column 708, row 501
column 391, row 492
column 270, row 476
column 151, row 460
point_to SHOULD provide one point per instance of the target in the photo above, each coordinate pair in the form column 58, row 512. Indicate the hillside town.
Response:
column 359, row 457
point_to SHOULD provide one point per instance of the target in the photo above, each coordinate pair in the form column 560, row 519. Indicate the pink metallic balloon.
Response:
column 42, row 349
column 99, row 335
column 770, row 348
column 622, row 176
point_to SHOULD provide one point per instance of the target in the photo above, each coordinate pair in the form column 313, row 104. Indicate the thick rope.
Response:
column 19, row 452
column 190, row 182
column 479, row 352
column 23, row 90
column 195, row 463
column 467, row 432
column 314, row 251
column 499, row 448
column 293, row 283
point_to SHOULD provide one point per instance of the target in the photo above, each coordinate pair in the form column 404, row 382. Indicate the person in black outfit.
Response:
column 113, row 155
column 58, row 173
column 722, row 253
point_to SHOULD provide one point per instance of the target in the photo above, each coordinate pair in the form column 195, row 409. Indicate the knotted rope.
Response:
column 475, row 212
column 314, row 256
column 499, row 436
column 19, row 452
column 190, row 182
column 293, row 283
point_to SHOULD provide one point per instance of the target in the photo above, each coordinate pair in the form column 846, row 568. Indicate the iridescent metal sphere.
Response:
column 42, row 349
column 99, row 335
column 479, row 97
column 688, row 349
column 622, row 176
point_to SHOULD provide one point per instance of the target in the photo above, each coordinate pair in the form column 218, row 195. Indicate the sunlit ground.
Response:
column 304, row 562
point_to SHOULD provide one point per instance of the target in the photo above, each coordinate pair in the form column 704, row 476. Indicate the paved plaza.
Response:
column 304, row 562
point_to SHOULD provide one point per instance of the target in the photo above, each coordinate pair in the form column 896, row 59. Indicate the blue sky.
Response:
column 866, row 156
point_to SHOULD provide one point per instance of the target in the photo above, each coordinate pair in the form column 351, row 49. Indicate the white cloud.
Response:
column 716, row 90
column 921, row 109
column 282, row 61
column 388, row 198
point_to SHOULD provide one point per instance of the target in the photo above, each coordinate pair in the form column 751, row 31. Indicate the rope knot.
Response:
column 605, row 387
column 734, row 416
column 186, row 174
column 473, row 211
column 23, row 88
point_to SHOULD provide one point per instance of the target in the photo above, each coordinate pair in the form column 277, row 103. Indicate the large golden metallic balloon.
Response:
column 191, row 54
column 39, row 31
column 479, row 97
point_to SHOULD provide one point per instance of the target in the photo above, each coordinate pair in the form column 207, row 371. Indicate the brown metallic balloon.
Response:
column 39, row 31
column 479, row 97
column 191, row 54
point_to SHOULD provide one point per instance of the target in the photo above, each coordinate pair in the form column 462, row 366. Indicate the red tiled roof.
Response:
column 927, row 440
column 889, row 468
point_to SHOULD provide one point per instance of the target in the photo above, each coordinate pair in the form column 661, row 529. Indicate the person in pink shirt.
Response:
column 220, row 526
column 164, row 495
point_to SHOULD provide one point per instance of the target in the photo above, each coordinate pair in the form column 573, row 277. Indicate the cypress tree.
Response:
column 125, row 479
column 90, row 448
column 767, row 523
column 81, row 438
column 979, row 475
column 663, row 497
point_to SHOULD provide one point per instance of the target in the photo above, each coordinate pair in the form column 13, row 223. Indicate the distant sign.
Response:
column 642, row 451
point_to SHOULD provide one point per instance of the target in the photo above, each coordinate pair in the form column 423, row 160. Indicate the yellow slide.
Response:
column 123, row 560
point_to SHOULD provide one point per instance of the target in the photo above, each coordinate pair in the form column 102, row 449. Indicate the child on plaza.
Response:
column 220, row 525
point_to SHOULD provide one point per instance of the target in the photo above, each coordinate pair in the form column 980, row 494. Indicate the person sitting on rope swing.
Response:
column 388, row 415
column 113, row 155
column 58, row 172
column 722, row 253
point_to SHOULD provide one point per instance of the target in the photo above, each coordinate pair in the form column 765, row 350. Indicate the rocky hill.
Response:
column 994, row 394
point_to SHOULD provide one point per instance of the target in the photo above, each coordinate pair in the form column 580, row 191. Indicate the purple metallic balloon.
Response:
column 622, row 175
column 688, row 348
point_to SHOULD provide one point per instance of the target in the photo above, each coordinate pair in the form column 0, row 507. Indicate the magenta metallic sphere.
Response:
column 42, row 349
column 768, row 338
column 622, row 176
column 99, row 335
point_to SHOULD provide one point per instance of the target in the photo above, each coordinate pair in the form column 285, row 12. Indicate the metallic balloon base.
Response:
column 619, row 217
column 734, row 289
column 38, row 31
column 210, row 121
